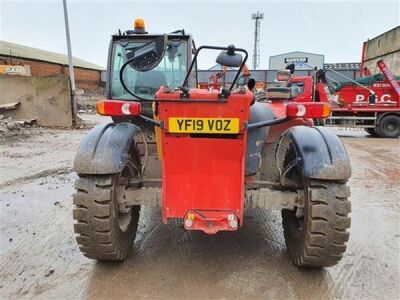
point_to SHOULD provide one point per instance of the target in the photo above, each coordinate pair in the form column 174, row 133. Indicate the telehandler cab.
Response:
column 204, row 155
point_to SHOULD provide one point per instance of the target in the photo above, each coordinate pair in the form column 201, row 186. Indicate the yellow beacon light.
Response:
column 138, row 24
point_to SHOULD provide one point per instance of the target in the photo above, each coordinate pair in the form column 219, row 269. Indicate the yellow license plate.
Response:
column 203, row 125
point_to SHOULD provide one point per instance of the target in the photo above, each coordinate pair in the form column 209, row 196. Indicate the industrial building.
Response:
column 385, row 46
column 37, row 62
column 303, row 60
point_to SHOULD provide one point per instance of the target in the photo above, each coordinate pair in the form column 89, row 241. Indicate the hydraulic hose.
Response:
column 121, row 79
column 267, row 123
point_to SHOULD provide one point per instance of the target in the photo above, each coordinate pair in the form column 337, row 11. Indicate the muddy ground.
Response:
column 40, row 259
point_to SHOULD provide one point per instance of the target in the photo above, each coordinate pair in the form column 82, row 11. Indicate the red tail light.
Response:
column 308, row 110
column 116, row 108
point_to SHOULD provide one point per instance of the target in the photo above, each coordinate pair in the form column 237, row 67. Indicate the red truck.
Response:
column 372, row 103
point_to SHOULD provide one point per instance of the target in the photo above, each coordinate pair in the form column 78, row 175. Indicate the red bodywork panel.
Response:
column 203, row 175
column 352, row 97
column 355, row 97
column 306, row 96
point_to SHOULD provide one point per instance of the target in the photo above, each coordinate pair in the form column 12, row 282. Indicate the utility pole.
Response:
column 71, row 64
column 257, row 17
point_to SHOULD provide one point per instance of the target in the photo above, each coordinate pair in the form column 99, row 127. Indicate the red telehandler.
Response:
column 215, row 155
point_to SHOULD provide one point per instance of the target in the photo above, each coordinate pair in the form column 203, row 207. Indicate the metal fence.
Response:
column 265, row 76
column 269, row 76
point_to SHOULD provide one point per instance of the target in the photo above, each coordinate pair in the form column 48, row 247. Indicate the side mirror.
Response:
column 291, row 68
column 229, row 58
column 148, row 56
column 251, row 84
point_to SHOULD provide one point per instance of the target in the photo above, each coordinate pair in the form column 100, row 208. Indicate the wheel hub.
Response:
column 391, row 127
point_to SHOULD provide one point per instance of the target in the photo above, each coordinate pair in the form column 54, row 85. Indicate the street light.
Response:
column 70, row 63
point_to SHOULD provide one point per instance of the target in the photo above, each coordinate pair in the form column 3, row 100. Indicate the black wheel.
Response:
column 389, row 126
column 106, row 231
column 318, row 237
column 316, row 231
column 371, row 131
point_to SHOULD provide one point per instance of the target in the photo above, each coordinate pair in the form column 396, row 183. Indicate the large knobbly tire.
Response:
column 318, row 239
column 104, row 230
column 95, row 211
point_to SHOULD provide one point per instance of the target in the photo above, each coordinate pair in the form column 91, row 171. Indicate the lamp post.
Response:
column 70, row 63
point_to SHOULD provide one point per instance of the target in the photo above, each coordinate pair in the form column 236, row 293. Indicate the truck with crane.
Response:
column 372, row 102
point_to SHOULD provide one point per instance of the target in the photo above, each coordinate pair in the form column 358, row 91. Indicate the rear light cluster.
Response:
column 308, row 110
column 117, row 108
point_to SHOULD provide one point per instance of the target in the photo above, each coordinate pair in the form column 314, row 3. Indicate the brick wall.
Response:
column 84, row 78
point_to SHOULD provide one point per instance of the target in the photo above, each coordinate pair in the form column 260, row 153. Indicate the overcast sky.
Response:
column 333, row 28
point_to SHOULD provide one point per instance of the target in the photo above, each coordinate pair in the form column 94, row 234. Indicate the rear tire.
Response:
column 316, row 230
column 389, row 126
column 104, row 231
column 319, row 237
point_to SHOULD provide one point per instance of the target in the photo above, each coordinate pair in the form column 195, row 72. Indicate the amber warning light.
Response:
column 139, row 24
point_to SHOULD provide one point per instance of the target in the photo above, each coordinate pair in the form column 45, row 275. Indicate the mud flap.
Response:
column 105, row 149
column 320, row 152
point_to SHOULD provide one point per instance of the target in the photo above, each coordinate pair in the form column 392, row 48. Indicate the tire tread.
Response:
column 326, row 230
column 95, row 226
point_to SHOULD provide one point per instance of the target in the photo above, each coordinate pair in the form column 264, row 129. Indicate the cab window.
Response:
column 170, row 71
column 296, row 88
